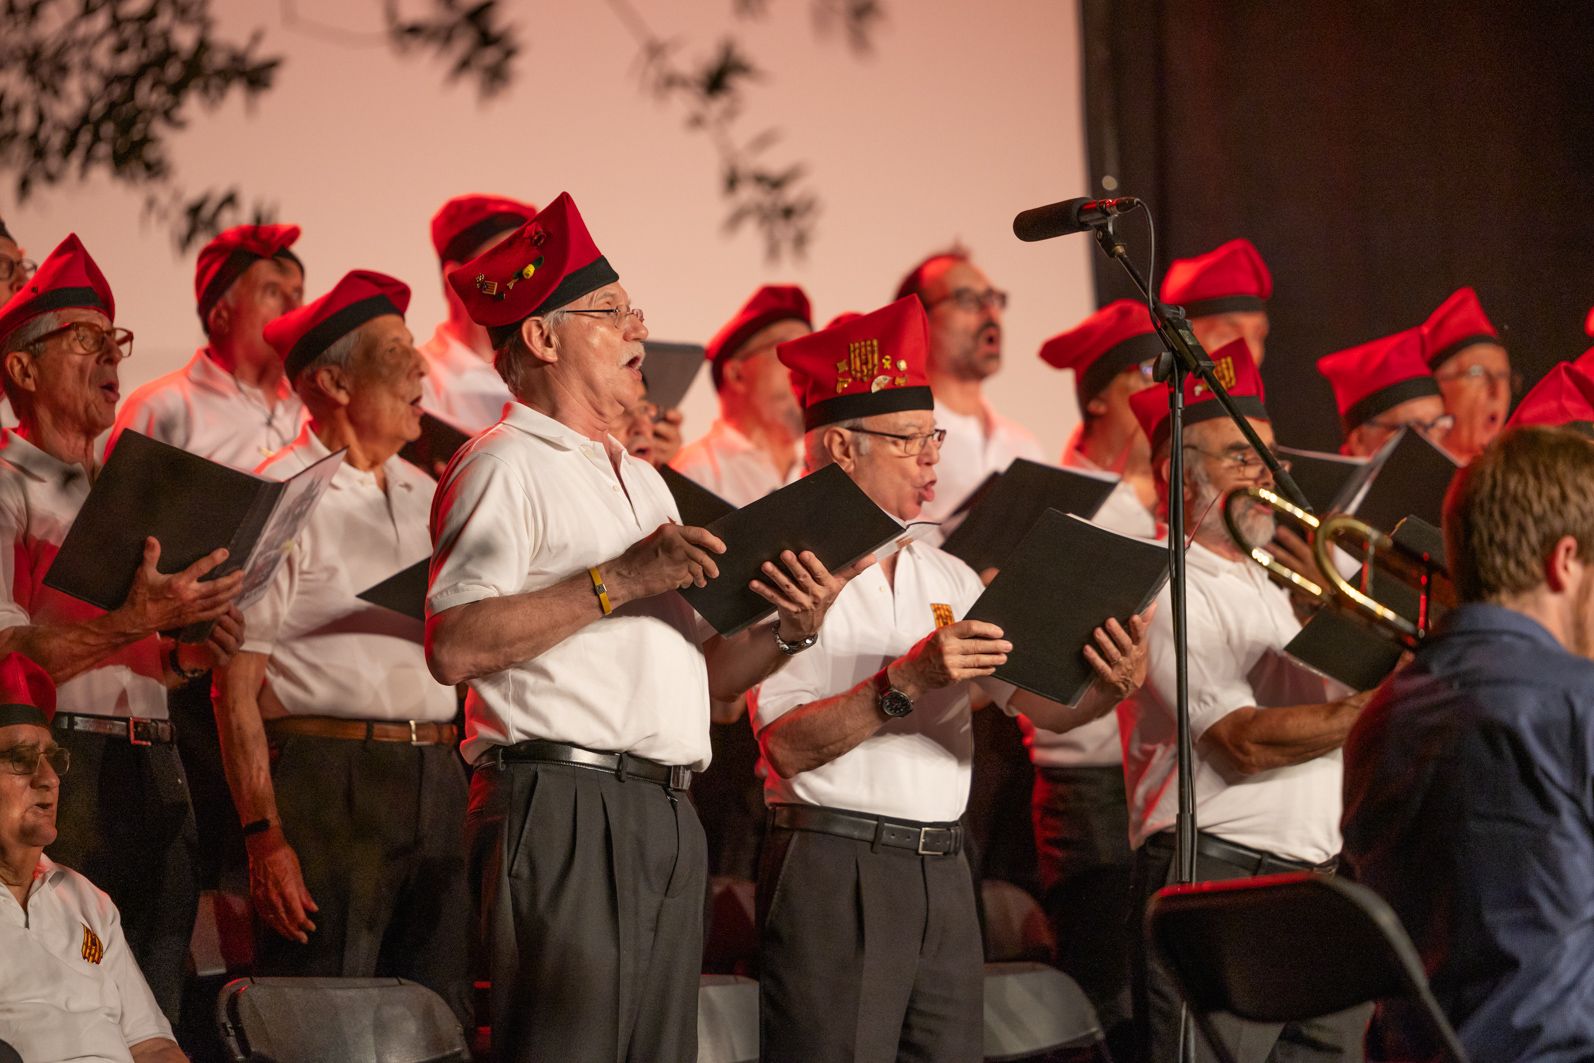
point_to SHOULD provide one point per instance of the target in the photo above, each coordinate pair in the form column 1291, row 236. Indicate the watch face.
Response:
column 895, row 703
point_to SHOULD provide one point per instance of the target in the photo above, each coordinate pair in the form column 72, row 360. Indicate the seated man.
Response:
column 871, row 945
column 1382, row 387
column 1468, row 805
column 69, row 986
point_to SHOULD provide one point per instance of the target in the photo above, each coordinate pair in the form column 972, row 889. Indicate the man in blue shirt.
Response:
column 1469, row 780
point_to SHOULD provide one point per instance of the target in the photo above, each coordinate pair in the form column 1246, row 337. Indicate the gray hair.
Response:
column 510, row 361
column 31, row 332
column 338, row 355
column 816, row 457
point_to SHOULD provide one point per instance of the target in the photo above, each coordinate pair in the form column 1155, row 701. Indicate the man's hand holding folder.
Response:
column 158, row 602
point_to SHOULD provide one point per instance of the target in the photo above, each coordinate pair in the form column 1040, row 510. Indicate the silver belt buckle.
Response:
column 924, row 837
column 680, row 777
column 132, row 732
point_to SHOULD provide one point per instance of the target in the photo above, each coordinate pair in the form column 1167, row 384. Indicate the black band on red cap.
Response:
column 1131, row 352
column 463, row 244
column 1227, row 304
column 1446, row 353
column 333, row 329
column 1388, row 398
column 579, row 282
column 867, row 404
column 65, row 299
column 1248, row 405
column 234, row 266
column 14, row 714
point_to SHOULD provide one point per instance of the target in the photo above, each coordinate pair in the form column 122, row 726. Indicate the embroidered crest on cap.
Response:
column 865, row 362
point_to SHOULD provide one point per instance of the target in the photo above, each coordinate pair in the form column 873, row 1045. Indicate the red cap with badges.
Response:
column 1230, row 278
column 27, row 693
column 362, row 295
column 229, row 254
column 866, row 365
column 1117, row 337
column 1373, row 377
column 68, row 279
column 464, row 223
column 1456, row 325
column 1564, row 398
column 547, row 263
column 1233, row 367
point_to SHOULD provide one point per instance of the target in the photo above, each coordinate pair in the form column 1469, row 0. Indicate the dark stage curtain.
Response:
column 1380, row 155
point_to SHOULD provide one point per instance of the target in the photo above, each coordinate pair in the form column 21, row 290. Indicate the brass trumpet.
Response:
column 1416, row 568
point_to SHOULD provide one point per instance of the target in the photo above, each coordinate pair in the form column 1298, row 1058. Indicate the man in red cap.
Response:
column 461, row 385
column 1266, row 734
column 756, row 444
column 73, row 990
column 330, row 693
column 1382, row 387
column 1225, row 294
column 1473, row 371
column 871, row 944
column 14, row 268
column 1080, row 815
column 127, row 820
column 1564, row 398
column 230, row 403
column 556, row 555
column 965, row 314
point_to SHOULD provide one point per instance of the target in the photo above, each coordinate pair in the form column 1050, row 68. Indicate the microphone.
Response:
column 1069, row 216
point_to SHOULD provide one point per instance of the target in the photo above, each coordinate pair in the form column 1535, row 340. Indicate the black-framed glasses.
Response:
column 1436, row 427
column 1247, row 462
column 619, row 315
column 1480, row 374
column 10, row 268
column 24, row 759
column 912, row 445
column 972, row 301
column 89, row 339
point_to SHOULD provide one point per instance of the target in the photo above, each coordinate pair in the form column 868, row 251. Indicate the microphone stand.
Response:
column 1183, row 355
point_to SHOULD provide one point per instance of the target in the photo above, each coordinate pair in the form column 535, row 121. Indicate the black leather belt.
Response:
column 137, row 730
column 623, row 766
column 926, row 839
column 1256, row 861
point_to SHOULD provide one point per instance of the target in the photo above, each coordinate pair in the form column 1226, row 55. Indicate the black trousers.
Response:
column 125, row 822
column 220, row 852
column 1334, row 1037
column 1086, row 867
column 590, row 901
column 869, row 954
column 376, row 826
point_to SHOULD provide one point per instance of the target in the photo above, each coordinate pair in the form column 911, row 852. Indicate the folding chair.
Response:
column 727, row 1019
column 337, row 1020
column 1238, row 947
column 1036, row 1013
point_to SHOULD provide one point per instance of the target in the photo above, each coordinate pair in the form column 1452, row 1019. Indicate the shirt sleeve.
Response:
column 13, row 526
column 141, row 1017
column 1218, row 671
column 483, row 534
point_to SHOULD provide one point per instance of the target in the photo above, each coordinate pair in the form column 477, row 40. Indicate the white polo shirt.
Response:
column 70, row 988
column 970, row 454
column 205, row 410
column 1098, row 743
column 332, row 654
column 460, row 385
column 915, row 767
column 727, row 463
column 530, row 503
column 1238, row 621
column 39, row 499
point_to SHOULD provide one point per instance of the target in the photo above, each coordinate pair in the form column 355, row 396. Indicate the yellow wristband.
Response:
column 600, row 590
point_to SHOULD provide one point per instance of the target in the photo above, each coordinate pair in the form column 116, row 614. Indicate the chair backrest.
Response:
column 337, row 1020
column 1032, row 1010
column 1015, row 927
column 1285, row 948
column 727, row 1019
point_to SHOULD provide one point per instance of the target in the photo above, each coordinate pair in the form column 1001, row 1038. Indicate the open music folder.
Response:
column 1011, row 505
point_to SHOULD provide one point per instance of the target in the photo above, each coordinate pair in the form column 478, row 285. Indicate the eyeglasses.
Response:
column 1247, row 461
column 1436, row 427
column 912, row 445
column 971, row 300
column 619, row 315
column 1147, row 369
column 24, row 760
column 1481, row 374
column 19, row 268
column 89, row 339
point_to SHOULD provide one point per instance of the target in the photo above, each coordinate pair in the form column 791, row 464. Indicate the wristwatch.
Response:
column 792, row 649
column 892, row 702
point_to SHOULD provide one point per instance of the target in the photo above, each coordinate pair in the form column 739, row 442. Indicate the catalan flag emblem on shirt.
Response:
column 942, row 613
column 93, row 947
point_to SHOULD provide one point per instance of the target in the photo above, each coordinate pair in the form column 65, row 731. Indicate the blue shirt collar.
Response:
column 1476, row 618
